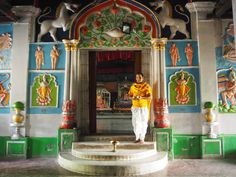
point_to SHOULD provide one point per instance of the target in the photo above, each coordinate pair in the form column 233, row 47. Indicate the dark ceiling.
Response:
column 223, row 8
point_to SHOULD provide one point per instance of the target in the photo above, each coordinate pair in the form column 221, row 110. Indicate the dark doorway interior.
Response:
column 110, row 75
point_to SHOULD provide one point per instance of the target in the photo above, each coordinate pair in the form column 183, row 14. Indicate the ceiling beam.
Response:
column 222, row 6
column 5, row 10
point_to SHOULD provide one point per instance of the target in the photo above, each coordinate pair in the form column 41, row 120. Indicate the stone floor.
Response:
column 48, row 167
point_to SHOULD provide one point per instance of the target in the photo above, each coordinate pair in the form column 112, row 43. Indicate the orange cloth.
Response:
column 143, row 90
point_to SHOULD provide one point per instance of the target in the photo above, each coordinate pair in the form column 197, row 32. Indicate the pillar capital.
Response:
column 67, row 44
column 26, row 12
column 74, row 44
column 201, row 8
column 159, row 43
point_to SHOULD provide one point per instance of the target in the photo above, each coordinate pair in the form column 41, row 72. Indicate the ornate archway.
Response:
column 115, row 23
column 119, row 24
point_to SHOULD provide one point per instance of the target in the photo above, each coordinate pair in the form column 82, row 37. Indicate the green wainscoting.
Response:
column 184, row 146
column 3, row 146
column 187, row 146
column 229, row 146
column 42, row 147
column 28, row 147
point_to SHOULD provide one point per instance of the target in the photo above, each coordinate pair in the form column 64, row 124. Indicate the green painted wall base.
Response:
column 17, row 148
column 212, row 148
column 163, row 138
column 28, row 147
column 187, row 146
column 66, row 137
column 178, row 145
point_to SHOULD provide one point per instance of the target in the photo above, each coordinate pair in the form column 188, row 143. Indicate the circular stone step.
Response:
column 107, row 145
column 143, row 166
column 107, row 154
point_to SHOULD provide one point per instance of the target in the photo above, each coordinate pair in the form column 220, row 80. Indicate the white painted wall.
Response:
column 43, row 125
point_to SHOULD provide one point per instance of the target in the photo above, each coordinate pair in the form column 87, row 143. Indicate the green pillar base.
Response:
column 66, row 137
column 163, row 138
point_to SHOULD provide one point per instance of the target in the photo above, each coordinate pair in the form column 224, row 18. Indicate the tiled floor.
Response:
column 48, row 167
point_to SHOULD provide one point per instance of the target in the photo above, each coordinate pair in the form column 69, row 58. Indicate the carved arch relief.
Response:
column 115, row 24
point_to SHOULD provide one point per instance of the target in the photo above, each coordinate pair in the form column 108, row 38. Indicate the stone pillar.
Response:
column 69, row 106
column 198, row 11
column 28, row 15
column 234, row 18
column 67, row 70
column 73, row 69
column 159, row 84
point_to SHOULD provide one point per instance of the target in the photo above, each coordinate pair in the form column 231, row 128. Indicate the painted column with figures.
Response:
column 159, row 85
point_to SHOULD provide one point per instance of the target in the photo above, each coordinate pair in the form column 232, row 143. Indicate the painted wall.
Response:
column 43, row 123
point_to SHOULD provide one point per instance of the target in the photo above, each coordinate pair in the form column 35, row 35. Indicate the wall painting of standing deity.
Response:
column 182, row 89
column 44, row 92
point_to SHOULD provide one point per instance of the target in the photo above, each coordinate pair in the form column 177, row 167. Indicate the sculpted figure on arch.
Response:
column 166, row 18
column 62, row 20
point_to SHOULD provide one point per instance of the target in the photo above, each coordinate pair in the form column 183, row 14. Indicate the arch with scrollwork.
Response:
column 115, row 23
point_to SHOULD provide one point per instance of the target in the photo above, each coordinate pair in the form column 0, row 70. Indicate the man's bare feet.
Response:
column 141, row 141
column 137, row 141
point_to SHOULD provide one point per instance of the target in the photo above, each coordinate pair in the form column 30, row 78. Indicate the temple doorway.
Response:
column 111, row 73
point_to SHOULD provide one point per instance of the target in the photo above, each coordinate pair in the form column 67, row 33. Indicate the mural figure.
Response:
column 5, row 41
column 174, row 54
column 39, row 57
column 229, row 93
column 62, row 20
column 182, row 89
column 166, row 19
column 229, row 43
column 54, row 56
column 189, row 53
column 4, row 93
column 44, row 91
column 100, row 102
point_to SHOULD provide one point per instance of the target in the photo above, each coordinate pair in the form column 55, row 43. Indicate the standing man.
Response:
column 140, row 93
column 54, row 54
column 39, row 56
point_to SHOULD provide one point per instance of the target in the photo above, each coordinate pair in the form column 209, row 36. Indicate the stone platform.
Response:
column 97, row 158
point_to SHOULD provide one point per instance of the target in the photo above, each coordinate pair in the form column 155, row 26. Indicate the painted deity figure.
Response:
column 230, row 91
column 174, row 54
column 100, row 102
column 44, row 92
column 39, row 57
column 4, row 93
column 189, row 53
column 182, row 90
column 54, row 54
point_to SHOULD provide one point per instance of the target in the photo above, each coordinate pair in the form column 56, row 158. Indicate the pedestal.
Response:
column 16, row 130
column 163, row 138
column 212, row 148
column 212, row 129
column 16, row 148
column 66, row 137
